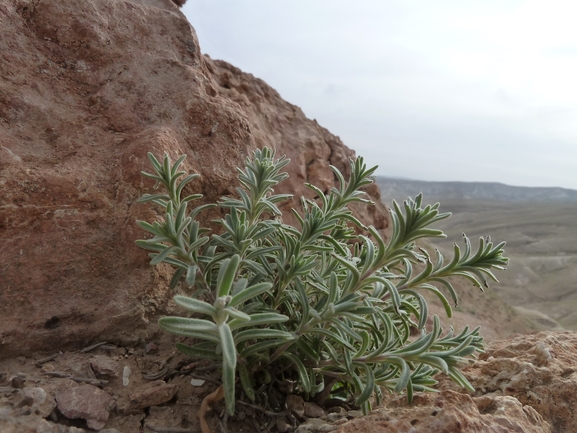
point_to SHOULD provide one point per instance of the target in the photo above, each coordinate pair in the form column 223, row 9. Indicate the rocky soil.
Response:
column 526, row 384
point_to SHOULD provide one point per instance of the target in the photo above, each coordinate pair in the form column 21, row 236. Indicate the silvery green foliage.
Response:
column 316, row 303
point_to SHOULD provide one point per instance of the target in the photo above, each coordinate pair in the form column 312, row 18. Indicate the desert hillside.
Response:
column 539, row 226
column 437, row 191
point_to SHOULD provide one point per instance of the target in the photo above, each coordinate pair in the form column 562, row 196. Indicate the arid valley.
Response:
column 539, row 226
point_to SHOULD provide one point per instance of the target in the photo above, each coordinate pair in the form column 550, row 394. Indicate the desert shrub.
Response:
column 318, row 305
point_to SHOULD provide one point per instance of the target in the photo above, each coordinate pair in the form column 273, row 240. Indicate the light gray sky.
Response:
column 431, row 90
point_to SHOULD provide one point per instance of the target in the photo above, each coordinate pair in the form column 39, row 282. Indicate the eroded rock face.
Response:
column 451, row 412
column 311, row 148
column 526, row 384
column 538, row 370
column 87, row 88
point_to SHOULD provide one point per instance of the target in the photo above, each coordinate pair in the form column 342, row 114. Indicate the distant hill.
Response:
column 539, row 226
column 399, row 189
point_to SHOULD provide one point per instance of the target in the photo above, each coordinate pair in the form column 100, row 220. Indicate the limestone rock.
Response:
column 87, row 88
column 524, row 384
column 87, row 402
column 520, row 368
column 35, row 400
column 315, row 425
column 451, row 412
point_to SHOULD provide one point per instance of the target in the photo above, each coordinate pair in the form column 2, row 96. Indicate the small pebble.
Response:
column 48, row 368
column 126, row 375
column 313, row 410
column 296, row 405
column 17, row 382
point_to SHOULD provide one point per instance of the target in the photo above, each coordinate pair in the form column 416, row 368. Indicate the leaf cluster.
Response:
column 317, row 304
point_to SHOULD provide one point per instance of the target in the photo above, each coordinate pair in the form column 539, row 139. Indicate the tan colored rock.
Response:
column 450, row 412
column 526, row 384
column 35, row 400
column 152, row 394
column 87, row 88
column 539, row 370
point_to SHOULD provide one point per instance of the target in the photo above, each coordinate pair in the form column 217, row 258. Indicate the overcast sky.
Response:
column 430, row 90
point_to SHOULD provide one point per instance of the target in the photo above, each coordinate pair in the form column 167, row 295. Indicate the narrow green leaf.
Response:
column 301, row 369
column 228, row 346
column 257, row 334
column 239, row 315
column 258, row 319
column 260, row 347
column 176, row 278
column 198, row 352
column 226, row 275
column 158, row 258
column 369, row 387
column 182, row 325
column 246, row 382
column 195, row 305
column 249, row 293
column 228, row 381
column 191, row 275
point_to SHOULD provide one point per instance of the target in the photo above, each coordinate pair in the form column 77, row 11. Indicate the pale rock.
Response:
column 549, row 390
column 335, row 416
column 37, row 400
column 32, row 424
column 315, row 425
column 450, row 412
column 87, row 402
column 171, row 417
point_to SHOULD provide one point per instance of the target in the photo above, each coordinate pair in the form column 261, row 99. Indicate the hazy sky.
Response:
column 430, row 90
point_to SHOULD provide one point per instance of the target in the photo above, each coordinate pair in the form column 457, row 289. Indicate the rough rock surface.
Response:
column 450, row 412
column 87, row 402
column 87, row 88
column 539, row 370
column 311, row 148
column 152, row 394
column 526, row 384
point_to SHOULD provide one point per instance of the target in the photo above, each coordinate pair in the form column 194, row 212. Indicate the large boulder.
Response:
column 312, row 148
column 87, row 88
